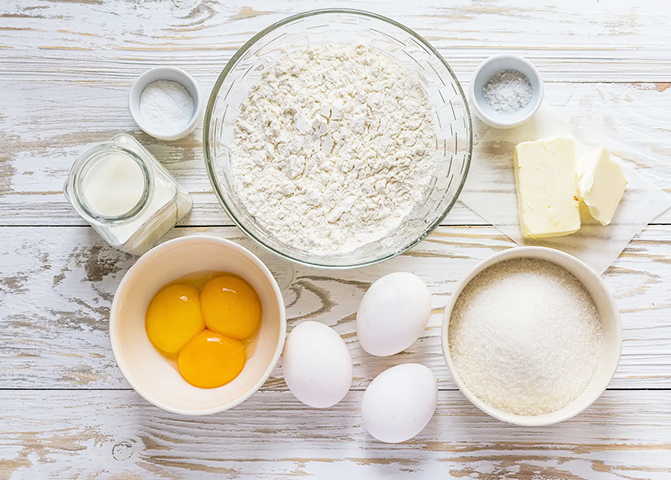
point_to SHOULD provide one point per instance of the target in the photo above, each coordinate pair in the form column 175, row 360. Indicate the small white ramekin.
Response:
column 154, row 376
column 610, row 324
column 174, row 75
column 487, row 70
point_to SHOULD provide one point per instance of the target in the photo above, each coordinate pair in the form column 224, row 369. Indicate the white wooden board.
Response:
column 117, row 435
column 57, row 286
column 68, row 78
column 65, row 409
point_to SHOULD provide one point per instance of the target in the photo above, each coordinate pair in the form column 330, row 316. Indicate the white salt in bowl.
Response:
column 155, row 377
column 487, row 70
column 610, row 324
column 171, row 74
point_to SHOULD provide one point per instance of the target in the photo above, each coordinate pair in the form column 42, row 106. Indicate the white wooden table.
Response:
column 65, row 409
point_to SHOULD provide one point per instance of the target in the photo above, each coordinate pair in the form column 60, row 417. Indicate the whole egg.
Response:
column 399, row 402
column 393, row 314
column 317, row 365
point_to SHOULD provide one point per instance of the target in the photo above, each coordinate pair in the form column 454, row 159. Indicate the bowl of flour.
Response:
column 337, row 138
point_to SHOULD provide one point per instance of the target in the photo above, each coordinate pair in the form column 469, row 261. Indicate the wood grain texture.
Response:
column 65, row 70
column 61, row 340
column 571, row 40
column 272, row 436
column 68, row 66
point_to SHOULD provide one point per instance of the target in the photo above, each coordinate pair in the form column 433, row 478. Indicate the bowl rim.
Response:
column 278, row 348
column 209, row 164
column 542, row 253
column 513, row 58
column 141, row 82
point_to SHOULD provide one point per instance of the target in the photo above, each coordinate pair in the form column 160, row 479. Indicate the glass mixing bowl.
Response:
column 451, row 117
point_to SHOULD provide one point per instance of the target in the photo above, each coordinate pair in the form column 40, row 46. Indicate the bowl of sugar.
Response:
column 532, row 336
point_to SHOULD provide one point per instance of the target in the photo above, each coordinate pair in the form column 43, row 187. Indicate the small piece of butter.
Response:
column 601, row 184
column 547, row 192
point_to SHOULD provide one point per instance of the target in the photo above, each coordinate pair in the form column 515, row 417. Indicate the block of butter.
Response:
column 601, row 184
column 547, row 192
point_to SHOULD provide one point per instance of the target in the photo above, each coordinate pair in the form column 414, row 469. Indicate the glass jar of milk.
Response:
column 126, row 195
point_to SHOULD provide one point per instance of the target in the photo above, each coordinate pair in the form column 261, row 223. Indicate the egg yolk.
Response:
column 230, row 306
column 173, row 318
column 211, row 360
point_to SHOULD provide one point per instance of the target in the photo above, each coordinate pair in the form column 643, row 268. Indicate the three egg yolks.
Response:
column 203, row 330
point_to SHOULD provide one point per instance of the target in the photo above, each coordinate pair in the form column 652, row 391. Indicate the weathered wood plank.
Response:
column 116, row 434
column 41, row 141
column 57, row 284
column 570, row 41
column 67, row 68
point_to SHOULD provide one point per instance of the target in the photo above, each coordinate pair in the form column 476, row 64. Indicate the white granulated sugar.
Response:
column 166, row 107
column 507, row 91
column 525, row 336
column 333, row 147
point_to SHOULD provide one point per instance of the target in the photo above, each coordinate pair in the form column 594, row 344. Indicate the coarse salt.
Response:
column 525, row 336
column 507, row 91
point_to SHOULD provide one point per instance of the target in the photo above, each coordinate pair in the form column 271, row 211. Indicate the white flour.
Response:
column 333, row 147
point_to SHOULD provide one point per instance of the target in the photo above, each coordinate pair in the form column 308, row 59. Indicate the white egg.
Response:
column 317, row 365
column 399, row 402
column 393, row 314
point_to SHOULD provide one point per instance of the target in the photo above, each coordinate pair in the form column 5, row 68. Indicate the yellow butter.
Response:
column 601, row 184
column 547, row 192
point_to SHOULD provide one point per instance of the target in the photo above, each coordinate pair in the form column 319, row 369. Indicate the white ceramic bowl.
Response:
column 150, row 373
column 610, row 324
column 489, row 68
column 174, row 75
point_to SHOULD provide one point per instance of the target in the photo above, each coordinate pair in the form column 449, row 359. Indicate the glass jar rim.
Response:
column 75, row 181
